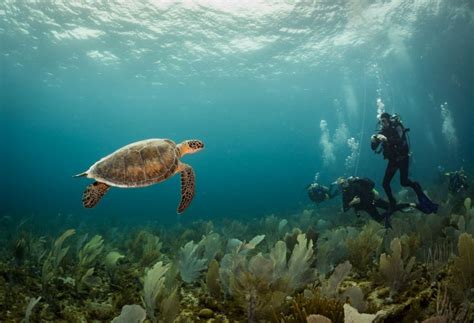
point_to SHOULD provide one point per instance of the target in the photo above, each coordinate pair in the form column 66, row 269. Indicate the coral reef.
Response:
column 298, row 267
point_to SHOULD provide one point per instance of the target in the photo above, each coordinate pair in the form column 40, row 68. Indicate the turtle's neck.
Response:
column 184, row 148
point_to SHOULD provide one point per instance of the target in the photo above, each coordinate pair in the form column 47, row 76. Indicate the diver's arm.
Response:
column 333, row 191
column 374, row 142
column 345, row 203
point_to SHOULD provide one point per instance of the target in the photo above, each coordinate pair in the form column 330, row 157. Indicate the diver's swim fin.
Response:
column 426, row 205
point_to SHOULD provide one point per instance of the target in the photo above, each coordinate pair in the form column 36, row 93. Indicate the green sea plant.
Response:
column 462, row 277
column 410, row 245
column 145, row 248
column 332, row 248
column 351, row 314
column 189, row 263
column 316, row 318
column 393, row 269
column 53, row 260
column 430, row 228
column 211, row 245
column 236, row 252
column 89, row 253
column 29, row 308
column 234, row 228
column 153, row 288
column 170, row 306
column 331, row 287
column 111, row 260
column 252, row 286
column 20, row 250
column 299, row 270
column 88, row 279
column 212, row 279
column 312, row 302
column 364, row 247
column 88, row 257
column 468, row 207
column 436, row 257
column 260, row 284
column 274, row 228
column 37, row 249
column 131, row 313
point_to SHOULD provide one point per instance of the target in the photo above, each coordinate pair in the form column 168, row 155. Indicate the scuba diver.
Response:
column 359, row 194
column 393, row 137
column 320, row 193
column 457, row 182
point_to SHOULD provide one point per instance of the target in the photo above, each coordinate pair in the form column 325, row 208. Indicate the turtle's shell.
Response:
column 141, row 163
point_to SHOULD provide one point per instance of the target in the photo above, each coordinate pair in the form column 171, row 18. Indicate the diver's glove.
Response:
column 378, row 138
column 355, row 200
column 381, row 138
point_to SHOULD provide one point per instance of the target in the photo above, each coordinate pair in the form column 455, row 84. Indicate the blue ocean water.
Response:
column 252, row 79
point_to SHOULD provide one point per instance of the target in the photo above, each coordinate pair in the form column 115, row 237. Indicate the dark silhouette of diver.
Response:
column 359, row 194
column 319, row 193
column 393, row 137
column 457, row 182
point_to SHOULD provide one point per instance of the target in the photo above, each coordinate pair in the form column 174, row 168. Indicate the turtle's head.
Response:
column 190, row 146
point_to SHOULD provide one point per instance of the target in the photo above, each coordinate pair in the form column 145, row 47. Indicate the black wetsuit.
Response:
column 364, row 189
column 396, row 150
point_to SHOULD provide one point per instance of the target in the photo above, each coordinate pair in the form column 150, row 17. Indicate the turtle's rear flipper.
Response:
column 187, row 187
column 94, row 193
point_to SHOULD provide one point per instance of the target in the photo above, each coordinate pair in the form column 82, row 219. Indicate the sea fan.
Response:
column 190, row 266
column 299, row 266
column 153, row 287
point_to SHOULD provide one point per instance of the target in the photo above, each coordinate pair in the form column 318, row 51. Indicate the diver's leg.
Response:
column 425, row 205
column 404, row 180
column 389, row 173
column 374, row 213
column 382, row 204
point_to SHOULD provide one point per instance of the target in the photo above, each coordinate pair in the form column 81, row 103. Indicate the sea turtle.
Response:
column 141, row 164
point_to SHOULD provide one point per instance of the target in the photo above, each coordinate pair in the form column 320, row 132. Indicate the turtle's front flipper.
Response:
column 94, row 193
column 187, row 187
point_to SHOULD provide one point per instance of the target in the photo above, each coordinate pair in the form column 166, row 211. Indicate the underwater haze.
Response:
column 282, row 94
column 252, row 79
